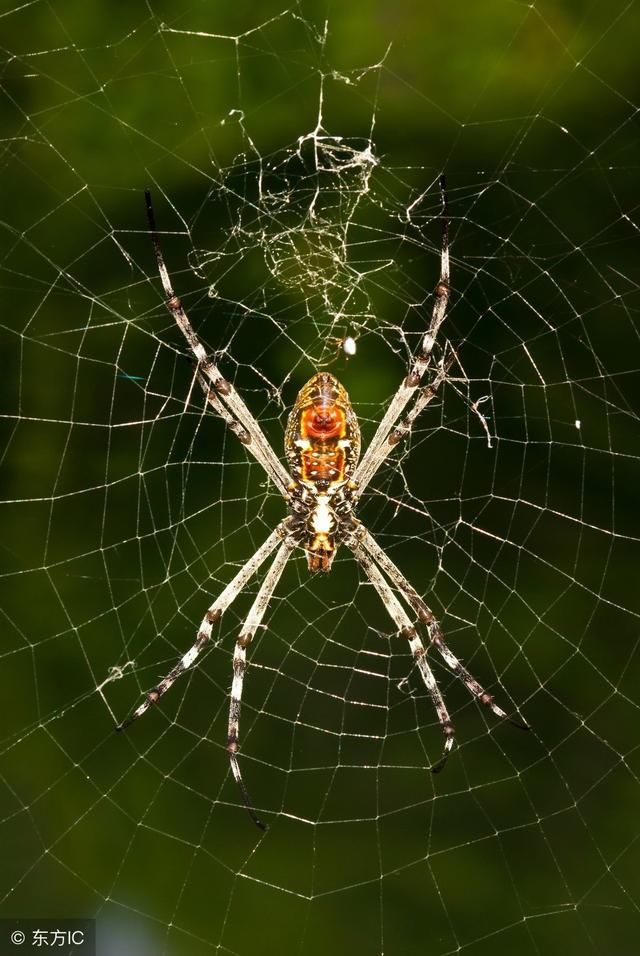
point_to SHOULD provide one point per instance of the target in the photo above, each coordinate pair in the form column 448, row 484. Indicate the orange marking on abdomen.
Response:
column 323, row 465
column 322, row 439
column 323, row 422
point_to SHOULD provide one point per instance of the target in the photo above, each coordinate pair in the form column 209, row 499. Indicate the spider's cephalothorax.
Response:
column 322, row 444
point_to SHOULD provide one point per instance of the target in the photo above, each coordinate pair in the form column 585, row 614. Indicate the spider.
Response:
column 325, row 481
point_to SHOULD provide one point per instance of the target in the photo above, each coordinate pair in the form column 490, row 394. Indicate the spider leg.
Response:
column 377, row 457
column 213, row 615
column 428, row 618
column 406, row 629
column 222, row 396
column 221, row 410
column 385, row 439
column 249, row 629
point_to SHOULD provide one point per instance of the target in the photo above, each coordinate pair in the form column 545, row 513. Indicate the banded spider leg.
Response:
column 374, row 560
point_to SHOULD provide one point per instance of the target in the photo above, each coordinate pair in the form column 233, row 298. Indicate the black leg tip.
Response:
column 440, row 765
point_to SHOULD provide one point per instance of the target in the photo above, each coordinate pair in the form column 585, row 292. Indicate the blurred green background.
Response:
column 126, row 507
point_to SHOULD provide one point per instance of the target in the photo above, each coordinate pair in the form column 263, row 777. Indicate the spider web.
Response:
column 294, row 166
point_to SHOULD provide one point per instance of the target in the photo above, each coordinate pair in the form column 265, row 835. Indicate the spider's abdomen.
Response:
column 322, row 445
column 322, row 441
